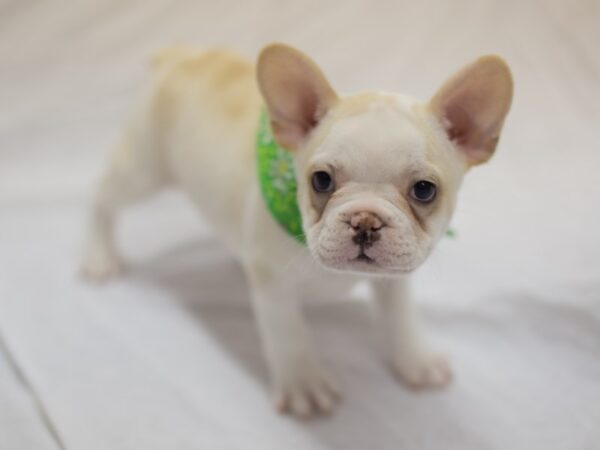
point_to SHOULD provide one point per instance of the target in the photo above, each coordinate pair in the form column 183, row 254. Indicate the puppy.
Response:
column 368, row 182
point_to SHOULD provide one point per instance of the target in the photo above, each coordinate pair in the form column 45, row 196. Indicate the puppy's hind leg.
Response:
column 133, row 174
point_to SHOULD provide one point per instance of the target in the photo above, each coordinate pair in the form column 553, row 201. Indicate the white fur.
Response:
column 183, row 134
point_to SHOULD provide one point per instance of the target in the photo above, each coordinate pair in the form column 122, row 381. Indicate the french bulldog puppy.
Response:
column 377, row 179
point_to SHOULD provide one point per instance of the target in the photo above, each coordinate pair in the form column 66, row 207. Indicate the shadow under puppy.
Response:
column 369, row 186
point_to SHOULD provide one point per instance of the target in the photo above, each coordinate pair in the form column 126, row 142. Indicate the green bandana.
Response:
column 277, row 179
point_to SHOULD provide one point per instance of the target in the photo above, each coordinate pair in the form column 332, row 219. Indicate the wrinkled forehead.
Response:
column 379, row 138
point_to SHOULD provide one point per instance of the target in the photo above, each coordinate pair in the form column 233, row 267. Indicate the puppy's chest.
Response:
column 318, row 284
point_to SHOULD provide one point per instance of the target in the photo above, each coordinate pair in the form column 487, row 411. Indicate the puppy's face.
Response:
column 377, row 173
column 377, row 184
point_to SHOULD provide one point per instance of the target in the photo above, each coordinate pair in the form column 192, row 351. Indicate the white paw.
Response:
column 306, row 392
column 100, row 263
column 424, row 370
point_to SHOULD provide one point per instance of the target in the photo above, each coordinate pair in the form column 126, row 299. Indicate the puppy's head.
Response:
column 378, row 173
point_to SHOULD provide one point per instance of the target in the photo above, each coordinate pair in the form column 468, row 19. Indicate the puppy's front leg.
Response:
column 409, row 353
column 300, row 384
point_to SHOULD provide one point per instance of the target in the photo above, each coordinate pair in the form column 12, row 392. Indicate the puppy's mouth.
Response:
column 363, row 257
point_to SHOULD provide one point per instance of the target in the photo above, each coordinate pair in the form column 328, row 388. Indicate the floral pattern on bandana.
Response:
column 277, row 178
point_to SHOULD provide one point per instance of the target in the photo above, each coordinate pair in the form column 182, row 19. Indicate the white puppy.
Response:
column 377, row 175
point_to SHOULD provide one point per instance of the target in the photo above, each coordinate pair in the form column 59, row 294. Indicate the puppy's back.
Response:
column 204, row 108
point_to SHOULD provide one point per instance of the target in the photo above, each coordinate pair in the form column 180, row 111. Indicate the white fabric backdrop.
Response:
column 168, row 357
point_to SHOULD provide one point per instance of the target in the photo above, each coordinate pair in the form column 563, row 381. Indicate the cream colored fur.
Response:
column 195, row 128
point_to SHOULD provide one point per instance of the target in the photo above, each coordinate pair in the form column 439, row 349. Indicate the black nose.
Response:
column 367, row 226
column 366, row 238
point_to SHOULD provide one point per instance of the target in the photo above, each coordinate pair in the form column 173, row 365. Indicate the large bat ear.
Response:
column 296, row 92
column 472, row 106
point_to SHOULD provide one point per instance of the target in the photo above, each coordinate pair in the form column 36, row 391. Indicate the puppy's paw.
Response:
column 100, row 263
column 306, row 393
column 423, row 370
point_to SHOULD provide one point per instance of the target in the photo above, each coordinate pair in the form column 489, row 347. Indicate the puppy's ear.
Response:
column 472, row 106
column 296, row 92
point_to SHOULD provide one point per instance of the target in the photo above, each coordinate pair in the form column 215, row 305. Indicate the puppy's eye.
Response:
column 322, row 181
column 423, row 191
